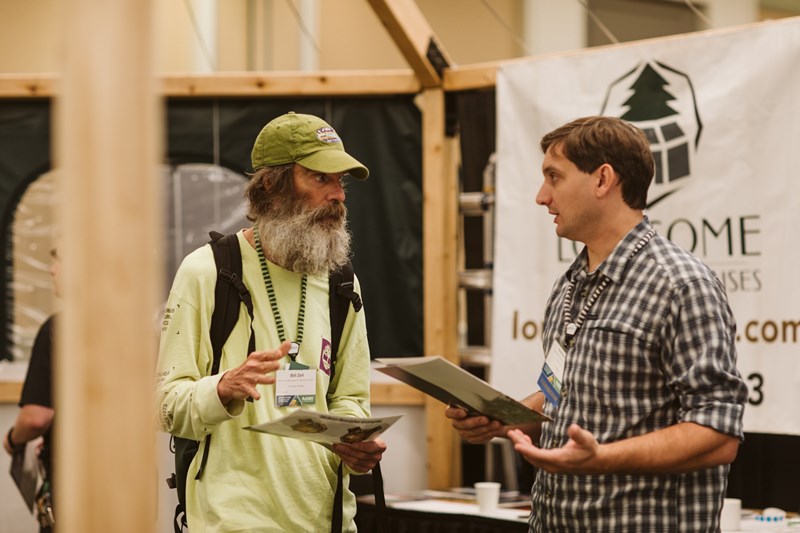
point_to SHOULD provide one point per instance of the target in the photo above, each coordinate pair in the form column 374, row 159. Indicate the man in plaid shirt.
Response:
column 641, row 383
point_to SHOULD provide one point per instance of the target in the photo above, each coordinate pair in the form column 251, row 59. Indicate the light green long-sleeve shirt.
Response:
column 252, row 481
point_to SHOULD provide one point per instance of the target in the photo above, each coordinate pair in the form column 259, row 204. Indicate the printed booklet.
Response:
column 326, row 428
column 452, row 385
column 25, row 470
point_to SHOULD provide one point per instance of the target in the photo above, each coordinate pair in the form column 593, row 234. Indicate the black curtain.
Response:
column 24, row 156
column 766, row 472
column 476, row 117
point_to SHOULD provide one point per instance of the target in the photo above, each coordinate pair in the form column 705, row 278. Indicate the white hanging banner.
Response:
column 722, row 110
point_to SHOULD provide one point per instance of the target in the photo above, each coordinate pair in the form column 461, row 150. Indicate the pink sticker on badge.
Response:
column 325, row 357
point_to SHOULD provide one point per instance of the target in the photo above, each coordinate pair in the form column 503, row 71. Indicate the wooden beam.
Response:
column 10, row 391
column 414, row 37
column 107, row 151
column 440, row 288
column 332, row 83
column 478, row 76
column 395, row 394
column 27, row 86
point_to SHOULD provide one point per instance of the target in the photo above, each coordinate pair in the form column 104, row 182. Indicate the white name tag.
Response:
column 552, row 375
column 295, row 387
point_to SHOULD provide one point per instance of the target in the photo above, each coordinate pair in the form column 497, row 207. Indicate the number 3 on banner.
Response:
column 756, row 389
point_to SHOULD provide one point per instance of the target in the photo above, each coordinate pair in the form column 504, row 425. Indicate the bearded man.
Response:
column 252, row 481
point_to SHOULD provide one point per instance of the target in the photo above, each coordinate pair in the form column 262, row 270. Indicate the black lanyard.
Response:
column 273, row 301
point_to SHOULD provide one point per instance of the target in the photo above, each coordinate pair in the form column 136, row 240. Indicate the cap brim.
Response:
column 334, row 161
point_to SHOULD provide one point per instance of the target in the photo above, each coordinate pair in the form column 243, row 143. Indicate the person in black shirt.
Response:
column 35, row 418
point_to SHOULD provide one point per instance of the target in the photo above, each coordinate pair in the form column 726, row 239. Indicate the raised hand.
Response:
column 240, row 383
column 580, row 455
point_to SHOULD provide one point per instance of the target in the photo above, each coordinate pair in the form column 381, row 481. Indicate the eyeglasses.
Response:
column 321, row 180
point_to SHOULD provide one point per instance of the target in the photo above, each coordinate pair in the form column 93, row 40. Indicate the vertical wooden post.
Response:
column 440, row 205
column 107, row 147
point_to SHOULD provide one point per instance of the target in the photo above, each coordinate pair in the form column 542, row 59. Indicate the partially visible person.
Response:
column 35, row 418
column 252, row 481
column 640, row 375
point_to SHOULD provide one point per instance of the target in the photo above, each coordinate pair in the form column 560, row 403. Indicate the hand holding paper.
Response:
column 454, row 386
column 361, row 456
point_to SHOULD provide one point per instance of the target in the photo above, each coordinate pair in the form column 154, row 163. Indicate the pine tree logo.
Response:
column 661, row 101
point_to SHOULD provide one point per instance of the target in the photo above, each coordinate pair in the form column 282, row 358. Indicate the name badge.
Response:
column 295, row 387
column 553, row 373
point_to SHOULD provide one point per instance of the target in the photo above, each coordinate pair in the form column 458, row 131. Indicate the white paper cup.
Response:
column 488, row 495
column 731, row 517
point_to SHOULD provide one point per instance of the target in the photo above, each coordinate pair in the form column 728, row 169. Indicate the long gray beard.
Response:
column 313, row 241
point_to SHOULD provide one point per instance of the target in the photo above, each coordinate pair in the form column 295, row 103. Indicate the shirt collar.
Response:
column 614, row 265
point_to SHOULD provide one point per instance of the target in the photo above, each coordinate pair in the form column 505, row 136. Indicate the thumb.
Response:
column 518, row 437
column 284, row 347
column 582, row 438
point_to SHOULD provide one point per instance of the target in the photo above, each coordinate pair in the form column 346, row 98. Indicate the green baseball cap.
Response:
column 306, row 140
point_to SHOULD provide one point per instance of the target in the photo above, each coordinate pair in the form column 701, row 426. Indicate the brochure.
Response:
column 25, row 470
column 326, row 428
column 452, row 385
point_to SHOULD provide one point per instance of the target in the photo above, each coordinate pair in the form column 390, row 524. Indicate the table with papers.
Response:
column 453, row 511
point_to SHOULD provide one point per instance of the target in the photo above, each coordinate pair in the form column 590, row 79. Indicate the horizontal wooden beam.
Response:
column 395, row 394
column 27, row 86
column 364, row 82
column 10, row 391
column 478, row 76
column 330, row 83
column 380, row 394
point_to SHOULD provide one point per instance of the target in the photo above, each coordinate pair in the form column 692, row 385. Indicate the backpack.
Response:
column 229, row 293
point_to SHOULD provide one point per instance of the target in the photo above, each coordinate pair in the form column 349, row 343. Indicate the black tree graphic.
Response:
column 649, row 98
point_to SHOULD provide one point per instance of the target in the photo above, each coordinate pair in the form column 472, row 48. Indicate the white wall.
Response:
column 404, row 465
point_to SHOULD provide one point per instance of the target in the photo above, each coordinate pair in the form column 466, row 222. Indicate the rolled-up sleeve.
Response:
column 702, row 366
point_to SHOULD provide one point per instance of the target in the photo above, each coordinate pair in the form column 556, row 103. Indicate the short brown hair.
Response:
column 267, row 185
column 593, row 141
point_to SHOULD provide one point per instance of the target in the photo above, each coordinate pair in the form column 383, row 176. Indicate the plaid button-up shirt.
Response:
column 656, row 348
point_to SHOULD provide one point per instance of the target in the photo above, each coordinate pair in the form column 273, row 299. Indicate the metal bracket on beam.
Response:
column 436, row 58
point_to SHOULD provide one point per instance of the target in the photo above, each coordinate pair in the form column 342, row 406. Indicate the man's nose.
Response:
column 337, row 191
column 542, row 198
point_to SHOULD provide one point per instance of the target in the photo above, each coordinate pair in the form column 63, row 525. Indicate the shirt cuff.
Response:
column 723, row 417
column 210, row 407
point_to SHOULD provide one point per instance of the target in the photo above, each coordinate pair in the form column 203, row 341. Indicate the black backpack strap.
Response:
column 380, row 498
column 179, row 521
column 341, row 293
column 338, row 499
column 229, row 293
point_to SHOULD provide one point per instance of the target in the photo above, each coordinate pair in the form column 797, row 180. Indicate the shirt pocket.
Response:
column 622, row 375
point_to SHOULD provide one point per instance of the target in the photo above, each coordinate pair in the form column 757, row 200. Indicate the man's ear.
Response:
column 605, row 180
